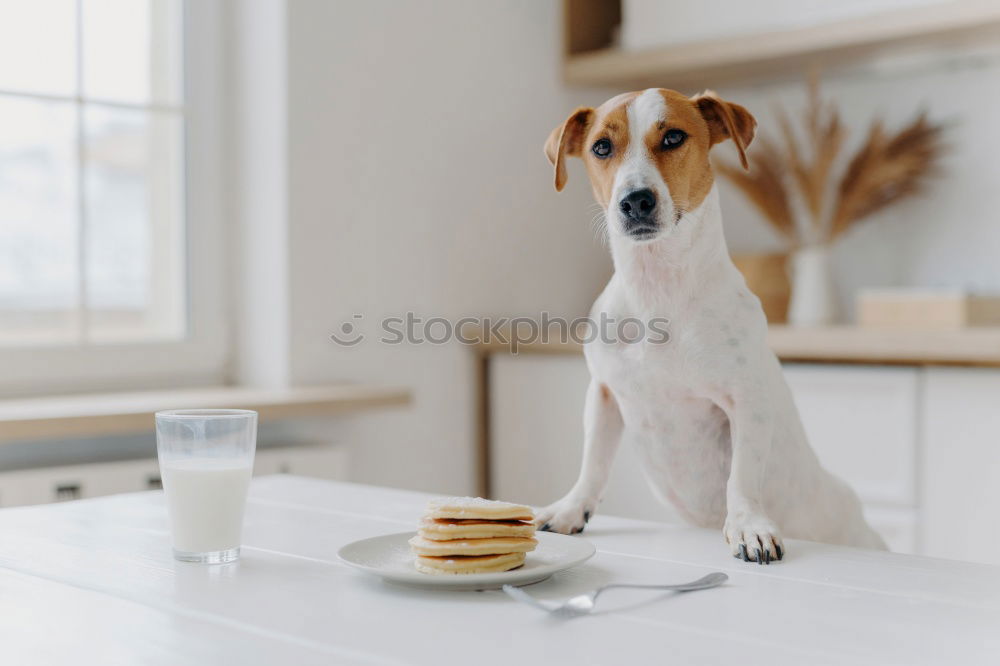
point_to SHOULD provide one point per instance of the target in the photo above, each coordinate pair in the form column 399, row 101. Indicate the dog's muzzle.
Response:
column 638, row 211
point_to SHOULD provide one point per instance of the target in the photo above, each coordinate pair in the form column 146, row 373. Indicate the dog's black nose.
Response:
column 638, row 206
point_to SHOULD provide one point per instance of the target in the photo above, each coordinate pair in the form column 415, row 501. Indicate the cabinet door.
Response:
column 861, row 421
column 537, row 438
column 22, row 488
column 319, row 461
column 960, row 470
column 127, row 476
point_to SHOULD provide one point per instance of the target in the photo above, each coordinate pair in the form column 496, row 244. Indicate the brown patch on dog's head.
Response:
column 629, row 142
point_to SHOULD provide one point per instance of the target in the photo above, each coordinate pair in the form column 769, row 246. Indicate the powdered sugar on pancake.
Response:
column 477, row 508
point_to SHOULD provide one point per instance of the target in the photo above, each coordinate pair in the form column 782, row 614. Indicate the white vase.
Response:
column 813, row 301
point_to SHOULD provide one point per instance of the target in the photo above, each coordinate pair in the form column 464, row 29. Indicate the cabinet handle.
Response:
column 67, row 491
column 154, row 482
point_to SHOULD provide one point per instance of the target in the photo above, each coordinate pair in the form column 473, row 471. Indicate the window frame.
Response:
column 202, row 357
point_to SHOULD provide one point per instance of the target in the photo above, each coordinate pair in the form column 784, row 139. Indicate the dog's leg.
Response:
column 602, row 424
column 751, row 535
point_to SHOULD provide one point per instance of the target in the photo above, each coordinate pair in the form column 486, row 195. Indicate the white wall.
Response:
column 417, row 182
column 949, row 237
column 258, row 178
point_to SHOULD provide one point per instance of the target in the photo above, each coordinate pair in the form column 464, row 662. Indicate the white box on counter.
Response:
column 939, row 309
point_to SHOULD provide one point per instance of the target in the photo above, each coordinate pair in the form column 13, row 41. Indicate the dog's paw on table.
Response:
column 753, row 539
column 564, row 517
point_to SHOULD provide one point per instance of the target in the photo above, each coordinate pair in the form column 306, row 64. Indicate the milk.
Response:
column 205, row 500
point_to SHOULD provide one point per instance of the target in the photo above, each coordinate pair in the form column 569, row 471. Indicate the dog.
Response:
column 709, row 412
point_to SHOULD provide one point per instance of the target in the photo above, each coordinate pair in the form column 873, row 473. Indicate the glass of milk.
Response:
column 206, row 457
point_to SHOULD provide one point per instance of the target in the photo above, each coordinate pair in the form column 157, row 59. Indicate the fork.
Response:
column 584, row 603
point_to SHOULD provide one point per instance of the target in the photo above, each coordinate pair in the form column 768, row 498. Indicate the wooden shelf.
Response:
column 840, row 344
column 91, row 415
column 691, row 67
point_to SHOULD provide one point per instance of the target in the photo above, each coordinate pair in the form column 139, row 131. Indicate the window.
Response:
column 91, row 171
column 97, row 168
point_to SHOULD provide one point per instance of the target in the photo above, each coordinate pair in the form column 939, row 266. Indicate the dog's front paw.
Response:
column 567, row 516
column 753, row 538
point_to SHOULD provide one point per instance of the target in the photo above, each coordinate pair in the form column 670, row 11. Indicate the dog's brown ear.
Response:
column 727, row 121
column 567, row 139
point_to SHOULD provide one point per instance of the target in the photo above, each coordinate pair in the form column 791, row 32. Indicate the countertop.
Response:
column 93, row 581
column 973, row 346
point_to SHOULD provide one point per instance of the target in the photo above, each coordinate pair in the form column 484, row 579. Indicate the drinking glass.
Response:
column 206, row 458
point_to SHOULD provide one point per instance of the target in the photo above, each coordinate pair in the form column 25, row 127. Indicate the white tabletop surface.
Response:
column 93, row 582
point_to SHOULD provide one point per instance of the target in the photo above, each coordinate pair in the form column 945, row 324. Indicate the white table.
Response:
column 92, row 582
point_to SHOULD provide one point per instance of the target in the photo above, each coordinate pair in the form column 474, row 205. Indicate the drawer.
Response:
column 320, row 461
column 862, row 423
column 55, row 484
column 58, row 484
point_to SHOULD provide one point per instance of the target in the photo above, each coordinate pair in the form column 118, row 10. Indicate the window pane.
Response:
column 38, row 46
column 38, row 221
column 132, row 50
column 134, row 224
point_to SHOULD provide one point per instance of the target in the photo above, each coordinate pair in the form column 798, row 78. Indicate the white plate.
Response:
column 390, row 558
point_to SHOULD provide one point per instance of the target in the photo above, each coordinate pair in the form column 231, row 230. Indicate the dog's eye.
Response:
column 673, row 138
column 601, row 148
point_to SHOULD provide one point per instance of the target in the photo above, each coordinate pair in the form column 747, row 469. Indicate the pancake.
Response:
column 469, row 565
column 499, row 546
column 443, row 529
column 477, row 508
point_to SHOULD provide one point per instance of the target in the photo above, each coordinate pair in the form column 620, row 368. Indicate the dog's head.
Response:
column 647, row 154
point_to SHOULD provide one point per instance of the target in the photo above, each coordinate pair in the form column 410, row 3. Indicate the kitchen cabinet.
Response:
column 56, row 484
column 920, row 445
column 960, row 464
column 862, row 423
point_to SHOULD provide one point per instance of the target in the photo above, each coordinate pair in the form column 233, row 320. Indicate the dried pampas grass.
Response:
column 885, row 169
column 764, row 186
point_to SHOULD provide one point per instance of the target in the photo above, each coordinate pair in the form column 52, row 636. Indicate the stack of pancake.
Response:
column 465, row 535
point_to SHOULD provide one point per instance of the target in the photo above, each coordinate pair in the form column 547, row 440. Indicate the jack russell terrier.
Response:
column 709, row 411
